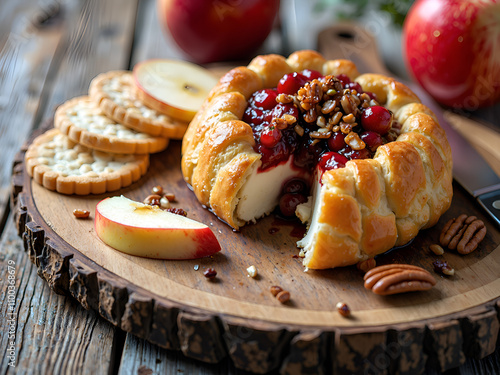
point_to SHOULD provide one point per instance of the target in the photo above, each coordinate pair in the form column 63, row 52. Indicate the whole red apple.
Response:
column 452, row 49
column 218, row 30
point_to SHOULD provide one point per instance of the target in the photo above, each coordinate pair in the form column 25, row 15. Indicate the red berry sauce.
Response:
column 322, row 121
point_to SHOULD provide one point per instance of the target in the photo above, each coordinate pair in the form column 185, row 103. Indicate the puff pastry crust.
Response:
column 406, row 187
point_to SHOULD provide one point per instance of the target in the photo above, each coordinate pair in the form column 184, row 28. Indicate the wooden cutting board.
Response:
column 172, row 304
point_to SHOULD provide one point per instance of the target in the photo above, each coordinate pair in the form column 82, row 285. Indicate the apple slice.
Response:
column 148, row 231
column 173, row 87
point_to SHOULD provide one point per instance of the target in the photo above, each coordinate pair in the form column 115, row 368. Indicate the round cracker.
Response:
column 60, row 164
column 83, row 121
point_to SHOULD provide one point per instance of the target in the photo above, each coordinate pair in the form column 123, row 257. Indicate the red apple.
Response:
column 452, row 50
column 218, row 30
column 148, row 231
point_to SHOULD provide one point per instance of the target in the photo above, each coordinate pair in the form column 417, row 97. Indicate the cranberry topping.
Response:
column 377, row 119
column 265, row 99
column 336, row 141
column 372, row 140
column 289, row 202
column 295, row 185
column 270, row 136
column 322, row 121
column 332, row 160
column 311, row 74
column 291, row 83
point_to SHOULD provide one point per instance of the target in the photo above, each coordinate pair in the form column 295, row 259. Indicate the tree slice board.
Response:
column 172, row 304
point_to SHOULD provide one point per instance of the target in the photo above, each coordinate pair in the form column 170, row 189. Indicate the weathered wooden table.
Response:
column 49, row 52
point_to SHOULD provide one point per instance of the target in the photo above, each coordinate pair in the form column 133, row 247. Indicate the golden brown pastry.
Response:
column 354, row 212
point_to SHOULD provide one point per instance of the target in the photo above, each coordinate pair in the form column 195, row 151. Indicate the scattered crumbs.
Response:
column 196, row 267
column 295, row 256
column 273, row 230
column 220, row 231
column 252, row 271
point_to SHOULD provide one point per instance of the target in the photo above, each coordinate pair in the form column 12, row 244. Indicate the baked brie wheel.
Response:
column 356, row 157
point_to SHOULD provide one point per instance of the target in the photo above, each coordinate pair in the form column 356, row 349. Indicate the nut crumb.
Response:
column 275, row 289
column 343, row 309
column 152, row 200
column 210, row 273
column 170, row 197
column 157, row 190
column 81, row 214
column 441, row 266
column 164, row 203
column 283, row 296
column 252, row 271
column 436, row 249
column 177, row 211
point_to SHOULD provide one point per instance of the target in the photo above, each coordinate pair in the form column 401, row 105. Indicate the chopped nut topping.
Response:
column 353, row 140
column 284, row 98
column 289, row 119
column 349, row 118
column 299, row 130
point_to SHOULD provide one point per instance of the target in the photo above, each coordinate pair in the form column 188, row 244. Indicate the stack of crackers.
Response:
column 100, row 142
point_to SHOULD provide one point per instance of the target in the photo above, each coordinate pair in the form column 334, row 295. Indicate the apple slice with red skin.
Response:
column 139, row 229
column 173, row 87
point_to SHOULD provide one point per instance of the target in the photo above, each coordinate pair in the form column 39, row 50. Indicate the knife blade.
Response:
column 470, row 170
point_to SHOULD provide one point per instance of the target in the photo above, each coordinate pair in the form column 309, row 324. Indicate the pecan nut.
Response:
column 463, row 233
column 398, row 278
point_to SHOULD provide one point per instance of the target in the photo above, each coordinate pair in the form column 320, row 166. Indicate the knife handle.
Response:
column 491, row 203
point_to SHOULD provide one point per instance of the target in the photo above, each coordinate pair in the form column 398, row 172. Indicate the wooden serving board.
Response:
column 172, row 304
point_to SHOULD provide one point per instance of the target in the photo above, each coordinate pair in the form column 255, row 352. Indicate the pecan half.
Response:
column 463, row 233
column 398, row 278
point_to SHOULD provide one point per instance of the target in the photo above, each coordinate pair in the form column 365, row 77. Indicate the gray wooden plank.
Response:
column 99, row 39
column 141, row 357
column 50, row 334
column 151, row 41
column 25, row 57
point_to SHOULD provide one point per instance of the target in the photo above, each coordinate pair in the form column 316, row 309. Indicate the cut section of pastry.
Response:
column 357, row 157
